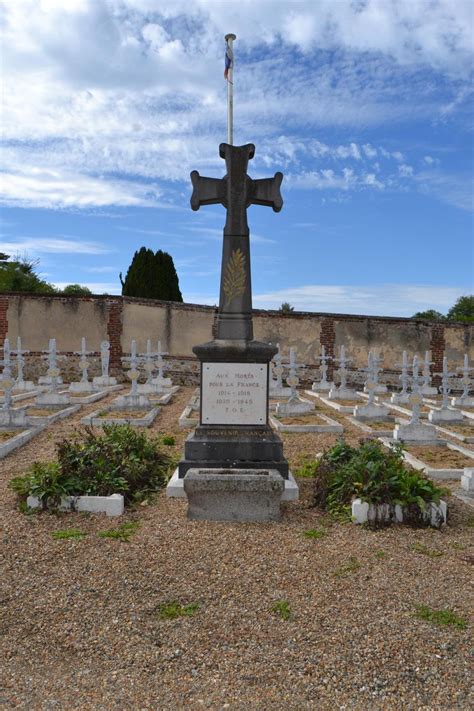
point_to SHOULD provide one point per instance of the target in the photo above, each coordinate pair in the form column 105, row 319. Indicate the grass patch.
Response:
column 67, row 533
column 122, row 533
column 348, row 568
column 314, row 533
column 282, row 609
column 380, row 554
column 172, row 610
column 424, row 550
column 440, row 617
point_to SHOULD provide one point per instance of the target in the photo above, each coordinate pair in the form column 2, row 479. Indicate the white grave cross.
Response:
column 7, row 379
column 415, row 398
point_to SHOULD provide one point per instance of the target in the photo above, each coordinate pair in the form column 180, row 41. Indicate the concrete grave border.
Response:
column 330, row 426
column 432, row 473
column 149, row 416
column 61, row 413
column 112, row 505
column 344, row 409
column 18, row 440
column 362, row 512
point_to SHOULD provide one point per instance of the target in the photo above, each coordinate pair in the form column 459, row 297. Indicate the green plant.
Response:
column 122, row 533
column 122, row 460
column 168, row 440
column 67, row 533
column 374, row 474
column 172, row 610
column 347, row 568
column 46, row 482
column 440, row 617
column 282, row 609
column 380, row 554
column 314, row 533
column 424, row 550
column 308, row 469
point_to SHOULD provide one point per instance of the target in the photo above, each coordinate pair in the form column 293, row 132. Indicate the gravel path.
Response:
column 80, row 625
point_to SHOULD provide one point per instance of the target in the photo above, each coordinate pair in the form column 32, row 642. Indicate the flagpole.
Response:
column 230, row 91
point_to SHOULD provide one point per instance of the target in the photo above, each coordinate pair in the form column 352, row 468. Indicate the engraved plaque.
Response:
column 234, row 393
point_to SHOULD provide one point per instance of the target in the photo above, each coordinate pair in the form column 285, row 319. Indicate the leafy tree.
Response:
column 463, row 309
column 20, row 275
column 286, row 308
column 152, row 276
column 429, row 315
column 76, row 290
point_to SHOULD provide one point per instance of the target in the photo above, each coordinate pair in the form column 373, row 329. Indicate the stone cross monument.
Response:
column 236, row 191
column 233, row 432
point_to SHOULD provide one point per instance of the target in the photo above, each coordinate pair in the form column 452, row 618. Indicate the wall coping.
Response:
column 272, row 313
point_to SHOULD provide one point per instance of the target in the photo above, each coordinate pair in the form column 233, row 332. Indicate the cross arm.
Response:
column 267, row 192
column 206, row 191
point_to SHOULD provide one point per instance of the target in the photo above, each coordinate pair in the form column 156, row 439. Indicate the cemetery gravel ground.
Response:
column 79, row 618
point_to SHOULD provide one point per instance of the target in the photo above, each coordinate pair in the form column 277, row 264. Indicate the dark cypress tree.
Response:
column 152, row 276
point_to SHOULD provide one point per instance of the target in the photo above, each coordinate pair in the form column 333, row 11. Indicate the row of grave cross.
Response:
column 373, row 369
column 154, row 360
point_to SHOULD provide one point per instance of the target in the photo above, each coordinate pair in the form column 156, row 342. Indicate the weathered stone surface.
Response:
column 415, row 433
column 234, row 495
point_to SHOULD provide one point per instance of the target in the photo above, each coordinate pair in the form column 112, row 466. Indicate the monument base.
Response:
column 175, row 488
column 237, row 447
column 234, row 495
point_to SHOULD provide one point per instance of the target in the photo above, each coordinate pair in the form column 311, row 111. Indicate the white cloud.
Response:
column 46, row 245
column 454, row 190
column 134, row 87
column 30, row 186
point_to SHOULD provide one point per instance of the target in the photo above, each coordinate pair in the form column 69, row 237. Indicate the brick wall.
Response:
column 36, row 318
column 328, row 340
column 438, row 348
column 3, row 319
column 114, row 334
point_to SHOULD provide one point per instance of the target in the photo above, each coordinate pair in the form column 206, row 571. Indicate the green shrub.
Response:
column 46, row 481
column 122, row 460
column 374, row 474
column 169, row 440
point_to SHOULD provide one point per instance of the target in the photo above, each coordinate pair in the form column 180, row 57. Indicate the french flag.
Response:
column 229, row 60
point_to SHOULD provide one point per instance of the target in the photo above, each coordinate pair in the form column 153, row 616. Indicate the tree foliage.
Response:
column 463, row 309
column 286, row 308
column 76, row 290
column 152, row 276
column 20, row 275
column 429, row 315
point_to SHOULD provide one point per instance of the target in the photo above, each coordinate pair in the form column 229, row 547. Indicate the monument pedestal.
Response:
column 234, row 432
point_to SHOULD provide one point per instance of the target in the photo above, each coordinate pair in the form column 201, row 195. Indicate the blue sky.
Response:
column 365, row 106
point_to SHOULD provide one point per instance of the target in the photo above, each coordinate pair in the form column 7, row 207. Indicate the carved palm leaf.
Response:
column 234, row 276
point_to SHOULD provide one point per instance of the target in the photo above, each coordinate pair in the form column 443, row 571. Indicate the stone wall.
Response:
column 37, row 318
